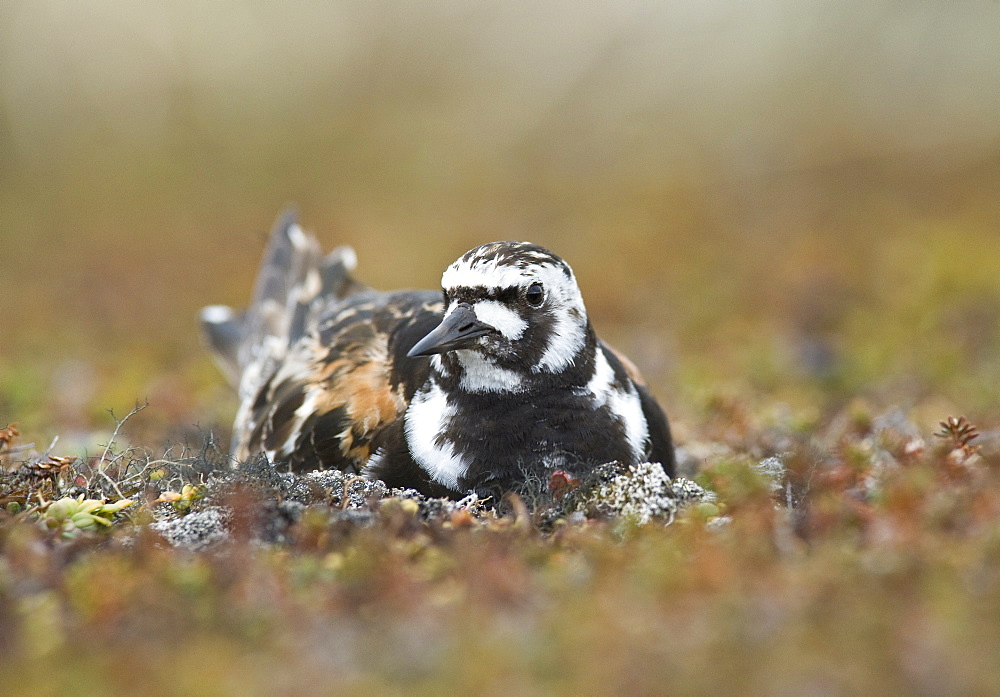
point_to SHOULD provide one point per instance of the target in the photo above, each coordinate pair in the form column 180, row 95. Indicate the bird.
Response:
column 496, row 380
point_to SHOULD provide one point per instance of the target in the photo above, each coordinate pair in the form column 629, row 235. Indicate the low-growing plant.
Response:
column 183, row 500
column 72, row 516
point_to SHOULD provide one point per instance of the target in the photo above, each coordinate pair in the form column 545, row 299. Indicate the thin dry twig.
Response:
column 104, row 462
column 118, row 425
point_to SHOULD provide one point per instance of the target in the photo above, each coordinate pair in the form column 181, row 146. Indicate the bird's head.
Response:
column 513, row 313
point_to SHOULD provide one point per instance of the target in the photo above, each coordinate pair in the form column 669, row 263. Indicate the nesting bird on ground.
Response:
column 497, row 381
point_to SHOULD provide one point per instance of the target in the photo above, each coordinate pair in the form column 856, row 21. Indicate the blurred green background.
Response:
column 793, row 203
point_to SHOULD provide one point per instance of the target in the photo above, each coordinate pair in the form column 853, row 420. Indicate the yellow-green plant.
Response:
column 182, row 501
column 72, row 516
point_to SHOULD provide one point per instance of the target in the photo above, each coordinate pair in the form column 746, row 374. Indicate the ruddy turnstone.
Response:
column 497, row 381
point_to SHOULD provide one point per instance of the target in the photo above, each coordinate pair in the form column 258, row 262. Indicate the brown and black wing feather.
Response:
column 317, row 356
column 342, row 384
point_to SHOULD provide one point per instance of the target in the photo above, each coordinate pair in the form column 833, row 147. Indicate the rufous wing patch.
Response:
column 359, row 384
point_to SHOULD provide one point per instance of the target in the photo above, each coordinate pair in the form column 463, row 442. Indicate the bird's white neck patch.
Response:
column 428, row 415
column 480, row 374
column 601, row 384
column 623, row 401
column 569, row 334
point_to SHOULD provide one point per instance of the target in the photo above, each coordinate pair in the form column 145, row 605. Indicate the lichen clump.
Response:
column 640, row 494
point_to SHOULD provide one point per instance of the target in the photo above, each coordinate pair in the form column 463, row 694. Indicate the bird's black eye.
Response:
column 535, row 294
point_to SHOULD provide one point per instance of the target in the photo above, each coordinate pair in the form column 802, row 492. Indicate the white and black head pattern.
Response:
column 516, row 318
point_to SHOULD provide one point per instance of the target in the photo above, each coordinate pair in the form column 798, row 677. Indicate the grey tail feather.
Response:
column 295, row 281
column 222, row 332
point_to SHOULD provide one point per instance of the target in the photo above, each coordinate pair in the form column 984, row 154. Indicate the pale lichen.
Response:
column 639, row 493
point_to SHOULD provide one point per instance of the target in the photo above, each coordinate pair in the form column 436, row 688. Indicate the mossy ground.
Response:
column 881, row 576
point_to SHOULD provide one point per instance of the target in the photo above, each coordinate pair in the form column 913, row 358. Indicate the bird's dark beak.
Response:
column 458, row 330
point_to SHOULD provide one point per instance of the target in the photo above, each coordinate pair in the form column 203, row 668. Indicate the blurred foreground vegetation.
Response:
column 787, row 216
column 871, row 565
